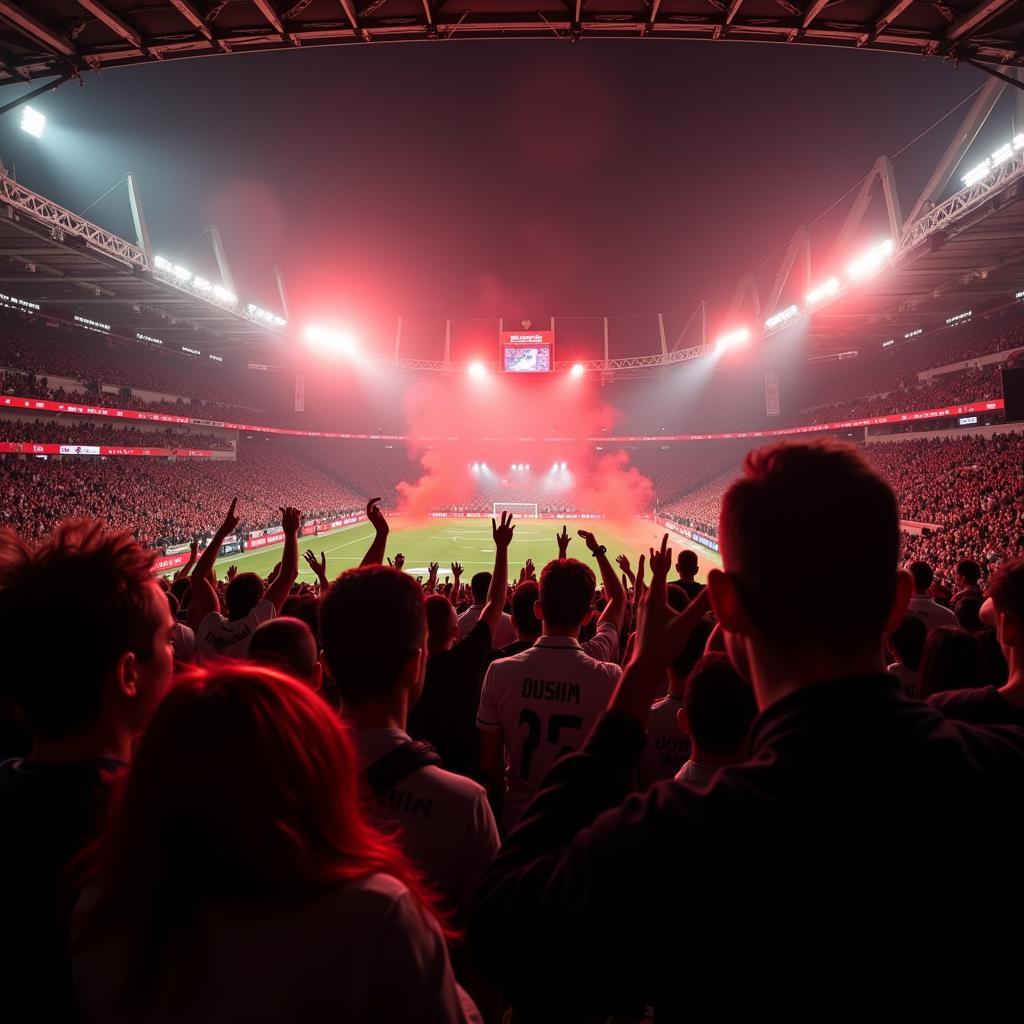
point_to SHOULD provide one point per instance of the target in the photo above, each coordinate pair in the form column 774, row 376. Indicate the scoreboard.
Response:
column 527, row 351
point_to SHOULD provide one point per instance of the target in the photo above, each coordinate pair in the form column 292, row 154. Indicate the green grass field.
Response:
column 468, row 541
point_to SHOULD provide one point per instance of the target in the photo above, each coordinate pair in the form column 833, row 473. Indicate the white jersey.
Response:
column 443, row 821
column 544, row 701
column 668, row 747
column 504, row 635
column 910, row 679
column 931, row 613
column 222, row 638
column 604, row 645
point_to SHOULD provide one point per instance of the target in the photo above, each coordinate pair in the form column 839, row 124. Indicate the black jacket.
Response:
column 865, row 863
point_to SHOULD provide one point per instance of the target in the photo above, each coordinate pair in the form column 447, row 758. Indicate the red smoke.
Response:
column 505, row 420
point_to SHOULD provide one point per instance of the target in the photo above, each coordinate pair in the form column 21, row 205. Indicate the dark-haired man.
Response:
column 780, row 889
column 248, row 602
column 288, row 644
column 502, row 633
column 542, row 702
column 373, row 630
column 1004, row 609
column 87, row 636
column 922, row 605
column 686, row 569
column 445, row 712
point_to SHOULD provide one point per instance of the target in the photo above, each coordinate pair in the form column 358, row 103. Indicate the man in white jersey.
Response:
column 542, row 702
column 248, row 602
column 503, row 633
column 922, row 606
column 374, row 636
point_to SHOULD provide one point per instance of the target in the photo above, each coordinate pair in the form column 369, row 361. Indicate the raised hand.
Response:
column 193, row 549
column 456, row 568
column 530, row 569
column 503, row 534
column 623, row 563
column 562, row 540
column 230, row 520
column 319, row 567
column 232, row 572
column 398, row 562
column 291, row 519
column 590, row 540
column 376, row 516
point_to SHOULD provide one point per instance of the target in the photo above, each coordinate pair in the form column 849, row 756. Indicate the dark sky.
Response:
column 516, row 179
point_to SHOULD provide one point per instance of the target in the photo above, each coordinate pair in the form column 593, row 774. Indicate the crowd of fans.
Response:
column 600, row 790
column 164, row 503
column 51, row 431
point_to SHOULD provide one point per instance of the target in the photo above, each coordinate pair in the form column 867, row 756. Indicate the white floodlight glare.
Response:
column 959, row 318
column 870, row 262
column 828, row 290
column 1020, row 295
column 33, row 122
column 477, row 370
column 333, row 342
column 200, row 284
column 733, row 339
column 914, row 333
column 564, row 466
column 577, row 370
column 782, row 317
column 223, row 295
column 979, row 172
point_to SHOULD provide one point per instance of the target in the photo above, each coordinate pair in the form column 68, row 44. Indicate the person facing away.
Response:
column 288, row 645
column 373, row 628
column 542, row 702
column 248, row 602
column 952, row 660
column 968, row 577
column 239, row 879
column 922, row 604
column 1003, row 609
column 864, row 861
column 718, row 709
column 686, row 570
column 444, row 713
column 502, row 633
column 906, row 646
column 87, row 636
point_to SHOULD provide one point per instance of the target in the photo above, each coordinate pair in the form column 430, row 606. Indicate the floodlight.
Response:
column 330, row 340
column 33, row 122
column 564, row 466
column 477, row 370
column 828, row 290
column 577, row 370
column 782, row 317
column 978, row 173
column 733, row 339
column 870, row 262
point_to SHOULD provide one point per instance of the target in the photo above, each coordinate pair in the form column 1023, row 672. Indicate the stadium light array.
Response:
column 146, row 337
column 263, row 316
column 191, row 351
column 871, row 262
column 914, row 333
column 577, row 370
column 1020, row 295
column 733, row 339
column 92, row 325
column 828, row 290
column 784, row 316
column 33, row 121
column 13, row 302
column 477, row 370
column 330, row 340
column 959, row 318
column 979, row 172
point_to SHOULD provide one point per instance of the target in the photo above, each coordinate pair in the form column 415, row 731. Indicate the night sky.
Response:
column 473, row 179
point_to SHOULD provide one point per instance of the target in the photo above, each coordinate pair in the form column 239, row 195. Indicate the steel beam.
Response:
column 196, row 20
column 266, row 8
column 734, row 9
column 36, row 30
column 114, row 23
column 816, row 7
column 972, row 123
column 222, row 259
column 978, row 16
column 799, row 244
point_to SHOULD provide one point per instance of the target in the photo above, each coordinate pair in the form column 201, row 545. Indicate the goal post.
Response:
column 522, row 509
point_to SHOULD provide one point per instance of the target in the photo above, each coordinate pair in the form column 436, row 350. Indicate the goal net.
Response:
column 522, row 509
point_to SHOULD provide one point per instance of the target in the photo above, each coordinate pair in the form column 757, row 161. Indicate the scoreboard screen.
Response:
column 527, row 351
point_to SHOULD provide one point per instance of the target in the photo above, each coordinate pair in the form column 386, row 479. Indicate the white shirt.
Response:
column 184, row 640
column 604, row 645
column 222, row 638
column 544, row 701
column 910, row 679
column 360, row 952
column 504, row 635
column 668, row 747
column 698, row 774
column 443, row 821
column 930, row 612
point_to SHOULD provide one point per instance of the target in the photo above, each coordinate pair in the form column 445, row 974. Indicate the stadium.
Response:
column 587, row 306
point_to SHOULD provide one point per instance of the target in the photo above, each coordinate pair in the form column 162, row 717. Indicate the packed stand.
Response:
column 23, row 429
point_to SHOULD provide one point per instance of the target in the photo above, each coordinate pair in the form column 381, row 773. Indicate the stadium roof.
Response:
column 69, row 267
column 59, row 37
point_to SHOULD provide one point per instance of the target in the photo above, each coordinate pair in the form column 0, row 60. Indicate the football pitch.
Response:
column 468, row 541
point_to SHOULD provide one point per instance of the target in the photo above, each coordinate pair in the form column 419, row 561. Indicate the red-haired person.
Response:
column 87, row 636
column 239, row 879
